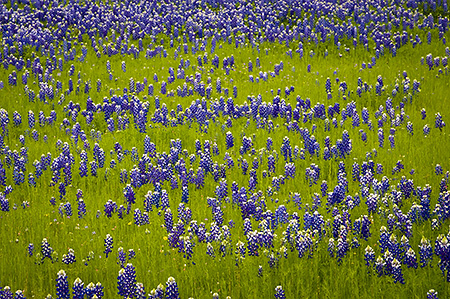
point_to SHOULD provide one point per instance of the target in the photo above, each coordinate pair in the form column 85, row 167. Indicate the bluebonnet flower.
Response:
column 380, row 137
column 121, row 256
column 442, row 249
column 126, row 281
column 342, row 246
column 62, row 286
column 372, row 203
column 68, row 209
column 409, row 128
column 12, row 79
column 30, row 249
column 331, row 247
column 168, row 220
column 81, row 208
column 279, row 293
column 229, row 139
column 425, row 252
column 380, row 265
column 185, row 194
column 253, row 243
column 240, row 249
column 69, row 258
column 438, row 169
column 369, row 256
column 78, row 289
column 130, row 197
column 140, row 291
column 384, row 239
column 423, row 113
column 269, row 144
column 429, row 59
column 426, row 130
column 365, row 227
column 439, row 123
column 108, row 244
column 99, row 290
column 94, row 168
column 19, row 295
column 89, row 291
column 31, row 119
column 110, row 207
column 410, row 259
column 164, row 199
column 137, row 217
column 432, row 294
column 31, row 180
column 150, row 90
column 157, row 293
column 172, row 289
column 397, row 273
column 355, row 243
column 131, row 254
column 290, row 170
column 46, row 250
column 17, row 118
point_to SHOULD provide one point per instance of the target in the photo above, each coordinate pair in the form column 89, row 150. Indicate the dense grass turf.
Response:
column 282, row 248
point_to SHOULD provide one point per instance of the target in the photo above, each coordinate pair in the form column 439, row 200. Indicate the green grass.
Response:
column 200, row 277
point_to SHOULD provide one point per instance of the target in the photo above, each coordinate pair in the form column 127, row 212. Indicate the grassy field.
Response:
column 141, row 137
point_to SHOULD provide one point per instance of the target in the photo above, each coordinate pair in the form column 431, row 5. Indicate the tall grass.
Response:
column 316, row 277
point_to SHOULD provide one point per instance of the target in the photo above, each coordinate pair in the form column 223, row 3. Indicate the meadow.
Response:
column 215, row 149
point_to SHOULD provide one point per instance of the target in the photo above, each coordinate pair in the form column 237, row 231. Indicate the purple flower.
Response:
column 89, row 291
column 78, row 289
column 409, row 128
column 130, row 197
column 379, row 266
column 410, row 259
column 168, row 220
column 172, row 289
column 46, row 250
column 122, row 257
column 279, row 293
column 425, row 252
column 81, row 208
column 438, row 169
column 432, row 294
column 99, row 290
column 62, row 286
column 380, row 137
column 369, row 256
column 140, row 291
column 426, row 130
column 423, row 113
column 429, row 58
column 30, row 249
column 126, row 281
column 397, row 273
column 439, row 123
column 108, row 244
column 229, row 139
column 331, row 247
column 442, row 250
column 69, row 258
column 19, row 295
